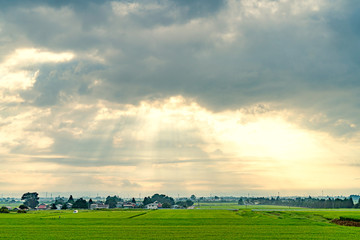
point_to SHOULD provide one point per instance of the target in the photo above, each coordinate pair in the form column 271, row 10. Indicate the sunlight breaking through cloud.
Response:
column 213, row 96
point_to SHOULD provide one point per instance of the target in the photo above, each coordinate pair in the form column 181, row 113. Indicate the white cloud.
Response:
column 28, row 57
column 19, row 70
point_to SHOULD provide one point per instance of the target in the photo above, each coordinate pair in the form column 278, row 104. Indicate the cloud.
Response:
column 127, row 184
column 226, row 55
column 200, row 85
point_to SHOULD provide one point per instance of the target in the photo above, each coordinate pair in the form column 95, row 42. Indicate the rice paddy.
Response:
column 253, row 222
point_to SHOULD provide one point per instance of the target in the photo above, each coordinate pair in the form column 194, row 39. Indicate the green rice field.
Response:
column 253, row 222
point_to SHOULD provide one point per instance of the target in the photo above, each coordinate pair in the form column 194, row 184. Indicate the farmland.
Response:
column 253, row 222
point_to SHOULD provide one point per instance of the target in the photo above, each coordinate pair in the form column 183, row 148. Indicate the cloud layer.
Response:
column 198, row 94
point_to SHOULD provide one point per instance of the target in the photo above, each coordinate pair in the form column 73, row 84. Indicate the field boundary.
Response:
column 137, row 215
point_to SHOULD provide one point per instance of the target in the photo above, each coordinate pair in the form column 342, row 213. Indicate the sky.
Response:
column 204, row 97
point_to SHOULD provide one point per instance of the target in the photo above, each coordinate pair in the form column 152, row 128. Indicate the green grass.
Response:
column 234, row 205
column 259, row 223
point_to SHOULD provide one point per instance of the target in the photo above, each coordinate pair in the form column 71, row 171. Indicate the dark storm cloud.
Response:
column 53, row 3
column 344, row 23
column 154, row 49
column 72, row 78
column 200, row 8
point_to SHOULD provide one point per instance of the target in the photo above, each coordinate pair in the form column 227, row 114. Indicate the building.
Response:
column 154, row 205
column 98, row 206
column 129, row 205
column 42, row 207
column 119, row 205
column 93, row 206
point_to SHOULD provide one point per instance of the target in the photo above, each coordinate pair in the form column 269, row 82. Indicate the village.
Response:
column 32, row 201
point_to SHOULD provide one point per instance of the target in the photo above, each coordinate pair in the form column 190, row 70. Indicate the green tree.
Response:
column 112, row 201
column 133, row 200
column 181, row 204
column 59, row 200
column 193, row 198
column 53, row 206
column 161, row 198
column 80, row 203
column 185, row 204
column 71, row 200
column 31, row 199
column 90, row 202
column 4, row 210
column 64, row 206
column 189, row 203
column 23, row 207
column 349, row 203
column 166, row 205
column 147, row 200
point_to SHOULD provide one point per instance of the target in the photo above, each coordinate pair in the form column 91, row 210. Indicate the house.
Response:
column 42, row 207
column 93, row 206
column 58, row 206
column 129, row 205
column 119, row 205
column 154, row 205
column 102, row 206
column 98, row 206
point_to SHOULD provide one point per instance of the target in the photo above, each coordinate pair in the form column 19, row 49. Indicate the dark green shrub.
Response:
column 4, row 210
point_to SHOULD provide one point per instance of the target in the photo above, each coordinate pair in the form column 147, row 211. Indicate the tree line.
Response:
column 168, row 202
column 308, row 202
column 31, row 200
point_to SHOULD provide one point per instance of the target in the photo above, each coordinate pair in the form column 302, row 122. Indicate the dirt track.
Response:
column 346, row 223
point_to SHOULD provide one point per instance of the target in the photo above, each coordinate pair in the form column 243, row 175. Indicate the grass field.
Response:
column 234, row 206
column 252, row 223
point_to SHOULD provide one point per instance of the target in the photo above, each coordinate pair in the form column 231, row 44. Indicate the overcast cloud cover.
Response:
column 172, row 96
